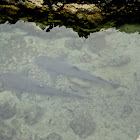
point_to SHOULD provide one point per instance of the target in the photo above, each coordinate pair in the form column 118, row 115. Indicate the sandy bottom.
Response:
column 110, row 113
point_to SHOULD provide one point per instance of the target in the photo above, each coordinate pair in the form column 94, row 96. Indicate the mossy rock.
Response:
column 10, row 9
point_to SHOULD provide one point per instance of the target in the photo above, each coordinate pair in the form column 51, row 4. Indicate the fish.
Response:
column 56, row 66
column 23, row 84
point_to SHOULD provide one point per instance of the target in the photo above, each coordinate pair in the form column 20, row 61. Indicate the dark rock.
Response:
column 127, row 110
column 83, row 126
column 53, row 136
column 7, row 110
column 6, row 132
column 33, row 114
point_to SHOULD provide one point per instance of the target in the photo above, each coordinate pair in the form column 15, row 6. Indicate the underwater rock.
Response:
column 83, row 126
column 96, row 43
column 117, row 61
column 22, row 43
column 74, row 44
column 7, row 110
column 6, row 132
column 77, row 85
column 86, row 58
column 32, row 114
column 7, row 105
column 53, row 136
column 30, row 41
column 17, row 40
column 127, row 110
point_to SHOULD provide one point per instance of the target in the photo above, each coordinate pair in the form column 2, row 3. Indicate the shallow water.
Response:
column 111, row 114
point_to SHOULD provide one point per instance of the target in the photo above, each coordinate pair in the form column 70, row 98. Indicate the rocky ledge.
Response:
column 88, row 12
column 85, row 15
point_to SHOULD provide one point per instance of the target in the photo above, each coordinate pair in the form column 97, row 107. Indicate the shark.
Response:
column 23, row 84
column 56, row 66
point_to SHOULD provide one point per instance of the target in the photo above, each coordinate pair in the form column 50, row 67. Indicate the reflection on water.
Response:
column 55, row 85
column 130, row 28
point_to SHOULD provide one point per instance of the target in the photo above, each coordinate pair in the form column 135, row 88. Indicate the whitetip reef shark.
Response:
column 23, row 84
column 56, row 66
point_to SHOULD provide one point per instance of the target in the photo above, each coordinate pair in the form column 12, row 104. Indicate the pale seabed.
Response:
column 112, row 114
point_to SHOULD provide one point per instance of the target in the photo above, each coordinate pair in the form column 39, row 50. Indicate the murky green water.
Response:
column 57, row 86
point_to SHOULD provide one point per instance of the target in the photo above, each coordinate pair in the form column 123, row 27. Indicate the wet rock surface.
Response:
column 74, row 7
column 83, row 126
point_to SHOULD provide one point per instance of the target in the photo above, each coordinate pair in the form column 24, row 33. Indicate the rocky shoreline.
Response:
column 82, row 17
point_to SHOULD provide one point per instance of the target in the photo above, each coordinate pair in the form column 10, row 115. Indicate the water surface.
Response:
column 111, row 114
